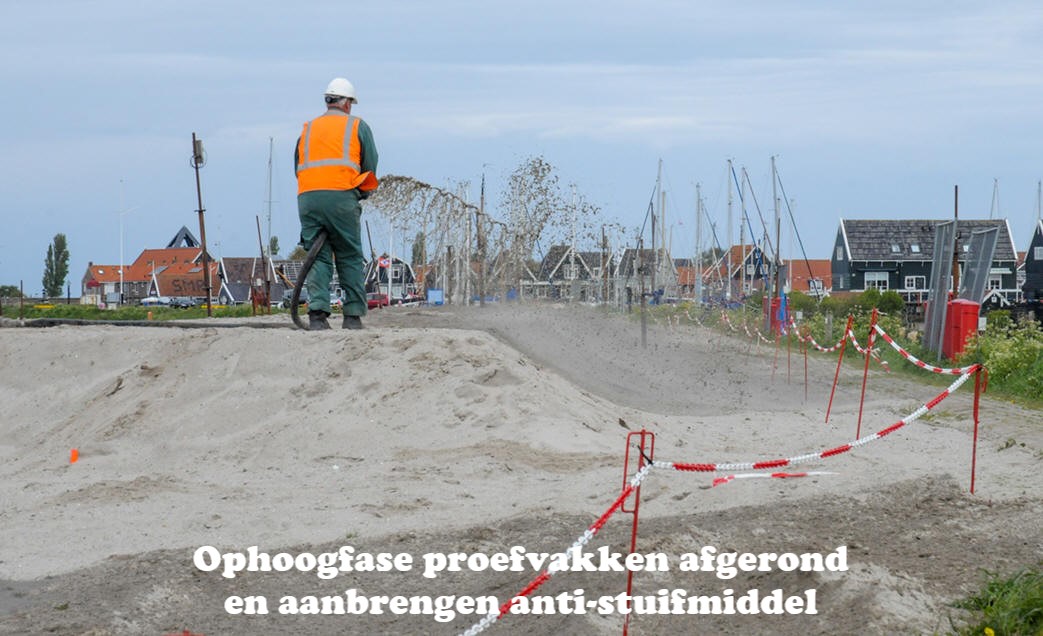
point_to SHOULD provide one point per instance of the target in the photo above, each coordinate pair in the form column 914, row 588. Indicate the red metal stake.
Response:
column 977, row 396
column 775, row 359
column 843, row 345
column 804, row 348
column 865, row 372
column 789, row 343
column 644, row 452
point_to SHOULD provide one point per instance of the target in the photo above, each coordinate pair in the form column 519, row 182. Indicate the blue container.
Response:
column 435, row 297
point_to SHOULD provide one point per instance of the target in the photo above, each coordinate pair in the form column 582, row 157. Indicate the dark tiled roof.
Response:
column 586, row 262
column 876, row 240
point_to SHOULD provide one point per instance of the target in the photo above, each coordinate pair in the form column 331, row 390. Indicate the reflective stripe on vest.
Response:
column 329, row 154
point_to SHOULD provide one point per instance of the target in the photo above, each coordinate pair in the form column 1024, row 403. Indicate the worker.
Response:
column 336, row 163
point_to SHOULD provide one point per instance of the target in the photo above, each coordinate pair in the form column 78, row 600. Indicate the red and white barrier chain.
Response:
column 729, row 478
column 811, row 340
column 873, row 353
column 577, row 545
column 920, row 363
column 832, row 452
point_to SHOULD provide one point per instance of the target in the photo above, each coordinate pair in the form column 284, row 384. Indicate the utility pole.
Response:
column 198, row 161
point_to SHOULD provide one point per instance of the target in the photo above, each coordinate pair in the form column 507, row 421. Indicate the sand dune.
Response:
column 442, row 429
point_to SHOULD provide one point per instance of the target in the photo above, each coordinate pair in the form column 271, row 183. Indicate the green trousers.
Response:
column 338, row 212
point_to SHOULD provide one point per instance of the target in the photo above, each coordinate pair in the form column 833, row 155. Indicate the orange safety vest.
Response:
column 329, row 155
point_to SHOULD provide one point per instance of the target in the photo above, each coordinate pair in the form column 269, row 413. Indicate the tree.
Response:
column 9, row 291
column 419, row 249
column 273, row 246
column 56, row 266
column 298, row 254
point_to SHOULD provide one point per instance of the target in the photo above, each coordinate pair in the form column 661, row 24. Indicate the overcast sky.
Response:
column 873, row 110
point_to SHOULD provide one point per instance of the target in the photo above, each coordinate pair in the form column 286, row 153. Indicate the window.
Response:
column 840, row 252
column 995, row 282
column 876, row 279
column 896, row 248
column 915, row 248
column 1037, row 253
column 916, row 282
column 569, row 271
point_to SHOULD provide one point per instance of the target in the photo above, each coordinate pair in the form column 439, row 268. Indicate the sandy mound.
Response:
column 476, row 430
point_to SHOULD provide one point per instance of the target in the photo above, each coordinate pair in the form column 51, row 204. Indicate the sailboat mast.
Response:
column 995, row 199
column 776, row 258
column 658, row 196
column 268, row 247
column 731, row 240
column 698, row 244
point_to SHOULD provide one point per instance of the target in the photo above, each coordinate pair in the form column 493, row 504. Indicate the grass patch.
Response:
column 1010, row 606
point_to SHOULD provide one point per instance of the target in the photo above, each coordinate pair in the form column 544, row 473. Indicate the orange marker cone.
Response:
column 74, row 455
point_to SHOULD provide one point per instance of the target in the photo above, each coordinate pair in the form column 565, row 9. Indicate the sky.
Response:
column 871, row 110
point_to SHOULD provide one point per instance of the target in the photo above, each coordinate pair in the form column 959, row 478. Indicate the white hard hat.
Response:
column 340, row 87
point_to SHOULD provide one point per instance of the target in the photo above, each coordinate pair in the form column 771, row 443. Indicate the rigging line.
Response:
column 742, row 202
column 651, row 202
column 793, row 221
column 756, row 245
column 759, row 259
column 764, row 224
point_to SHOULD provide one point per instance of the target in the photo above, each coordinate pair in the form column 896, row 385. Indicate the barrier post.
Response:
column 865, row 371
column 978, row 389
column 843, row 345
column 804, row 348
column 775, row 359
column 789, row 346
column 646, row 453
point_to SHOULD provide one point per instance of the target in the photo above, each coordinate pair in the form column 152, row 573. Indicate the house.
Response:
column 637, row 269
column 377, row 271
column 897, row 255
column 1033, row 267
column 813, row 277
column 101, row 283
column 239, row 275
column 175, row 270
column 572, row 274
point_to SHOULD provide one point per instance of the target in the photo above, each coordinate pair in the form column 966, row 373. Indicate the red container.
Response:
column 776, row 323
column 961, row 322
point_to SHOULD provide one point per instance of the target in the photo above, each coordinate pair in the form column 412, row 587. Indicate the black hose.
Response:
column 309, row 260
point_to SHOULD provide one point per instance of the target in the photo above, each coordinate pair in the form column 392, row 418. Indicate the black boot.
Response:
column 317, row 320
column 352, row 322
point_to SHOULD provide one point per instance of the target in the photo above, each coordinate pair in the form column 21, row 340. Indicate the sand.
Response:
column 447, row 429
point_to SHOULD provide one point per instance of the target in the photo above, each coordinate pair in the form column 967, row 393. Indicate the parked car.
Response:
column 287, row 296
column 156, row 301
column 375, row 299
column 183, row 302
